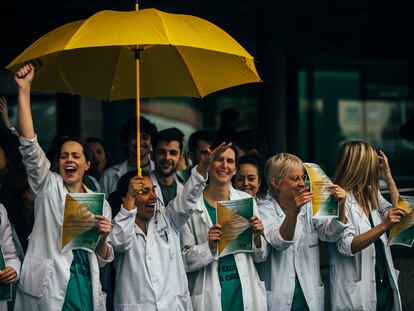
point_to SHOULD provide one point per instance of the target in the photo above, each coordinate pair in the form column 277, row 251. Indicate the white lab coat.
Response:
column 150, row 273
column 202, row 266
column 298, row 257
column 158, row 191
column 109, row 180
column 46, row 269
column 9, row 251
column 352, row 276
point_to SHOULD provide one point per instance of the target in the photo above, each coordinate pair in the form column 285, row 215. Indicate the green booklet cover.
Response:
column 5, row 289
column 79, row 222
column 402, row 233
column 234, row 218
column 323, row 203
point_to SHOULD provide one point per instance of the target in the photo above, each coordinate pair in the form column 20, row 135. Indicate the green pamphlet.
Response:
column 234, row 218
column 79, row 222
column 323, row 203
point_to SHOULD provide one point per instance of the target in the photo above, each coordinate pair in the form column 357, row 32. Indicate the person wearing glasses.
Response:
column 291, row 271
column 362, row 274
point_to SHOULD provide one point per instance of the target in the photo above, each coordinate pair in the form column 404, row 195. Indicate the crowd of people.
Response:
column 158, row 245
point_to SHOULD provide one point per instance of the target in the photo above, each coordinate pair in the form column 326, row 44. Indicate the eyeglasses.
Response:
column 296, row 179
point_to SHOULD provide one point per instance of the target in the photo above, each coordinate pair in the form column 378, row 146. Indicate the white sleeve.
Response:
column 6, row 241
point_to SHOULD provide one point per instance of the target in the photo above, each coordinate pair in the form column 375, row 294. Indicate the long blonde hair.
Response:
column 357, row 171
column 277, row 167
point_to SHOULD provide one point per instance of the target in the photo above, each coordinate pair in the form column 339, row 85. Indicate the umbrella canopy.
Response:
column 116, row 55
column 180, row 55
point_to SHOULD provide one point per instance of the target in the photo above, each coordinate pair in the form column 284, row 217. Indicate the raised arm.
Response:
column 4, row 112
column 385, row 174
column 272, row 222
column 123, row 230
column 34, row 159
column 23, row 78
column 179, row 209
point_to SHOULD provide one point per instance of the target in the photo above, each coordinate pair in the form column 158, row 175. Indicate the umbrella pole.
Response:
column 137, row 51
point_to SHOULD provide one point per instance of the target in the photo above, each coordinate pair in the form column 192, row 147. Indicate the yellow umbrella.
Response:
column 116, row 55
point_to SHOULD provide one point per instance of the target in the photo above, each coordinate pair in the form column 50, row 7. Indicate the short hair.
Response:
column 278, row 166
column 168, row 135
column 130, row 127
column 200, row 135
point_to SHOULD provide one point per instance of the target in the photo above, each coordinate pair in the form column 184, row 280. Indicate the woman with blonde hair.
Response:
column 362, row 275
column 291, row 272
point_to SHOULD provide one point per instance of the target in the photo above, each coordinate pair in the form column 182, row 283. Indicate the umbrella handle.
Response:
column 137, row 51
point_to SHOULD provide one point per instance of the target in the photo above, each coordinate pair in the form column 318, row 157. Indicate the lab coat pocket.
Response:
column 349, row 296
column 35, row 274
column 276, row 298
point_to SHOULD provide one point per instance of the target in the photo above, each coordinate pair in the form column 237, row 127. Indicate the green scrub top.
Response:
column 169, row 192
column 299, row 301
column 231, row 291
column 385, row 297
column 79, row 290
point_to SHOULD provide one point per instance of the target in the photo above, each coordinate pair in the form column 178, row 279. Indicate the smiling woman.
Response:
column 294, row 233
column 221, row 277
column 101, row 159
column 249, row 177
column 52, row 279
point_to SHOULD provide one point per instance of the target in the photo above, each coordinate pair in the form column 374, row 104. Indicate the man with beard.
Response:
column 167, row 154
column 198, row 144
column 128, row 136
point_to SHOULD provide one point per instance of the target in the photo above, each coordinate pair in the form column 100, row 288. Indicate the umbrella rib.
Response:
column 63, row 77
column 189, row 72
column 110, row 89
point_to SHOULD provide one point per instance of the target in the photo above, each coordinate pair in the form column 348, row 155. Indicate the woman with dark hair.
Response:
column 249, row 177
column 101, row 158
column 53, row 155
column 52, row 279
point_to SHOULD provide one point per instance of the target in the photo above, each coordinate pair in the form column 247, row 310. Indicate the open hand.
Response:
column 4, row 112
